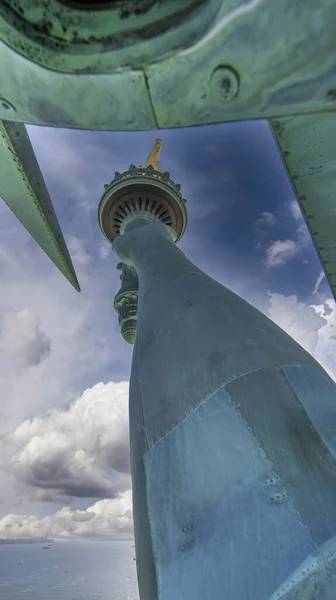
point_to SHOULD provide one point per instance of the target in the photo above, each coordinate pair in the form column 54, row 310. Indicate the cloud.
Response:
column 81, row 259
column 86, row 342
column 80, row 162
column 313, row 327
column 299, row 320
column 261, row 229
column 295, row 210
column 266, row 219
column 280, row 251
column 83, row 328
column 302, row 236
column 72, row 162
column 325, row 351
column 318, row 283
column 105, row 250
column 109, row 518
column 22, row 339
column 78, row 253
column 82, row 451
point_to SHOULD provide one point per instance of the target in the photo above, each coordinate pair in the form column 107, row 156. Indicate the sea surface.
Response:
column 70, row 570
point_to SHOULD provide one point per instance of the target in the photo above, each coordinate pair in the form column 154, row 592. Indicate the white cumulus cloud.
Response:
column 22, row 339
column 108, row 518
column 295, row 210
column 280, row 251
column 82, row 451
column 314, row 327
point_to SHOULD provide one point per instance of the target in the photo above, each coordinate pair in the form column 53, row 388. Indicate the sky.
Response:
column 64, row 367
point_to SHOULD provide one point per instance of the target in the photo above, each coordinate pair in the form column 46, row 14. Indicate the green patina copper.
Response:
column 93, row 37
column 122, row 209
column 148, row 64
column 23, row 189
column 308, row 147
column 126, row 302
column 145, row 181
column 168, row 64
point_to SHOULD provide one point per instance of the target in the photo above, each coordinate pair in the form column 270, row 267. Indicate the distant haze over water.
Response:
column 69, row 570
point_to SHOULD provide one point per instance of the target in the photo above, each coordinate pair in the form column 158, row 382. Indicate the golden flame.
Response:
column 154, row 157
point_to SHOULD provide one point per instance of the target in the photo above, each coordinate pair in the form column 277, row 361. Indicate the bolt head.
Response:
column 224, row 83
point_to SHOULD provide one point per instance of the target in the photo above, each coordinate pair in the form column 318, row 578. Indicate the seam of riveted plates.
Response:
column 23, row 189
column 257, row 59
column 308, row 147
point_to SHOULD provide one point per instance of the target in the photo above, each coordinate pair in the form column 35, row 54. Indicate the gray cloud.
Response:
column 71, row 474
column 22, row 339
column 66, row 453
column 86, row 347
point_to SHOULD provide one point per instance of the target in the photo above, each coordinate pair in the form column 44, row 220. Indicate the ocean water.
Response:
column 70, row 570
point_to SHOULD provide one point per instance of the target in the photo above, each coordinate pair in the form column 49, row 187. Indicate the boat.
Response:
column 46, row 547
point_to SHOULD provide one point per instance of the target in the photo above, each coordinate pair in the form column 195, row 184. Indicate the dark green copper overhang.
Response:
column 22, row 187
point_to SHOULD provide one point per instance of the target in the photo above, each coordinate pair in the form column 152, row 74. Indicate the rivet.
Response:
column 187, row 544
column 225, row 83
column 188, row 528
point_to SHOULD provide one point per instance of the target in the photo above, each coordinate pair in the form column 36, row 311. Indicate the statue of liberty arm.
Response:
column 232, row 423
